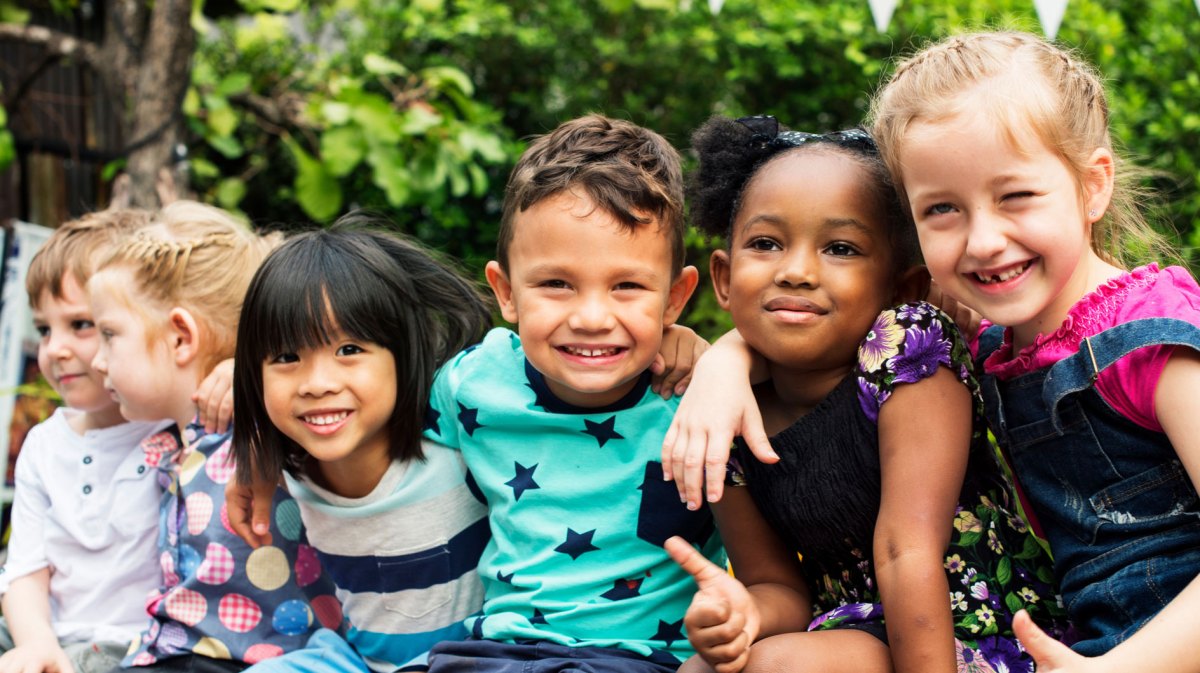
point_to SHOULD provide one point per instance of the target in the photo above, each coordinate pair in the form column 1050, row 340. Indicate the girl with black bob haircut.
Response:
column 341, row 333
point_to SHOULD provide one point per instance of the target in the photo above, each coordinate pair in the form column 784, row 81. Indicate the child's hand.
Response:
column 967, row 319
column 249, row 510
column 1051, row 656
column 717, row 407
column 214, row 398
column 35, row 658
column 672, row 367
column 723, row 620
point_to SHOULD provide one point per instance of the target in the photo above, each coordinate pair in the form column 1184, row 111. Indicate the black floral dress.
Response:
column 823, row 497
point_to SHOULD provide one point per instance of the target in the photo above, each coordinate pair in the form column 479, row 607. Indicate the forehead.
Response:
column 569, row 231
column 812, row 183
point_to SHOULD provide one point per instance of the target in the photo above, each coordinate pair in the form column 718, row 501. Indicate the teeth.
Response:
column 591, row 352
column 326, row 419
column 1001, row 277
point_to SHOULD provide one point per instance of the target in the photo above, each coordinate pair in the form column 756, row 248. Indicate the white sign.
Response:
column 1050, row 13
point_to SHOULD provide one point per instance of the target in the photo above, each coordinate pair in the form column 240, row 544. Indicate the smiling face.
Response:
column 589, row 296
column 68, row 344
column 1004, row 227
column 810, row 263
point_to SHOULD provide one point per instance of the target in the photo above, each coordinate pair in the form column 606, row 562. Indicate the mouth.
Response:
column 791, row 304
column 325, row 419
column 592, row 351
column 996, row 277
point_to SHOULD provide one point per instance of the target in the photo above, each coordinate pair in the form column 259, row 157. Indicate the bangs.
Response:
column 306, row 294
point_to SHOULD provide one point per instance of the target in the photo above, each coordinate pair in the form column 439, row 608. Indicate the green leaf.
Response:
column 226, row 145
column 459, row 185
column 112, row 168
column 203, row 168
column 3, row 117
column 418, row 119
column 317, row 190
column 342, row 149
column 234, row 83
column 479, row 180
column 222, row 120
column 230, row 192
column 969, row 538
column 10, row 12
column 8, row 151
column 1004, row 571
column 487, row 145
column 1013, row 602
column 378, row 64
column 379, row 121
column 444, row 74
column 336, row 113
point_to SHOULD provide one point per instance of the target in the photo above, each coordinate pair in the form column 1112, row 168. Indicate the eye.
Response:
column 82, row 324
column 349, row 349
column 939, row 209
column 629, row 285
column 106, row 334
column 284, row 359
column 842, row 249
column 42, row 330
column 763, row 244
column 554, row 284
column 1018, row 195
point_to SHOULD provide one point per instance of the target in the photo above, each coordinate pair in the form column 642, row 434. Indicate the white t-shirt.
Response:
column 86, row 506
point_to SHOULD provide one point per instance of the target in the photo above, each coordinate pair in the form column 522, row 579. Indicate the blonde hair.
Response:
column 76, row 247
column 1024, row 82
column 194, row 257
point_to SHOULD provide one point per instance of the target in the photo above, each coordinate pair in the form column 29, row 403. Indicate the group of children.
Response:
column 415, row 492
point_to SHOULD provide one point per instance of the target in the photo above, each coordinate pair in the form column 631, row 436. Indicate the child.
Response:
column 818, row 256
column 340, row 336
column 557, row 423
column 1000, row 145
column 166, row 305
column 82, row 555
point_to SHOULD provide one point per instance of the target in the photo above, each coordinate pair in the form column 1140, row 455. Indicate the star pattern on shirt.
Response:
column 602, row 431
column 522, row 480
column 507, row 579
column 623, row 589
column 469, row 418
column 538, row 617
column 577, row 544
column 669, row 632
column 431, row 421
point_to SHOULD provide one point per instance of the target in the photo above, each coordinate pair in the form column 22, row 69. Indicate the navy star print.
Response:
column 538, row 617
column 469, row 419
column 669, row 633
column 431, row 421
column 507, row 579
column 523, row 480
column 577, row 544
column 602, row 431
column 623, row 589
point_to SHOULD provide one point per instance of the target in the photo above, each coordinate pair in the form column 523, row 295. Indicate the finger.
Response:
column 678, row 451
column 755, row 436
column 704, row 572
column 712, row 623
column 668, row 448
column 657, row 367
column 223, row 415
column 693, row 470
column 238, row 511
column 714, row 471
column 728, row 651
column 260, row 516
column 1046, row 651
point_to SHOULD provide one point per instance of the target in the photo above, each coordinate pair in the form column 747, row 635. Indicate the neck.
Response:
column 97, row 420
column 792, row 394
column 354, row 476
column 1092, row 272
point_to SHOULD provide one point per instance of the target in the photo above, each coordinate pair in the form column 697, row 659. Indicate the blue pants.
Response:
column 489, row 656
column 325, row 651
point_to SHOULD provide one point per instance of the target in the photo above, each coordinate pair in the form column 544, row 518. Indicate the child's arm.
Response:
column 922, row 475
column 249, row 508
column 26, row 607
column 672, row 367
column 1170, row 642
column 214, row 398
column 718, row 406
column 768, row 597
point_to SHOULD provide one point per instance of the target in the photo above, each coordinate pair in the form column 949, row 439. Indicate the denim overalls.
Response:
column 1118, row 509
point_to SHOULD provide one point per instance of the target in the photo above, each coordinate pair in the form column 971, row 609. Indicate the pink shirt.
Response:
column 1128, row 385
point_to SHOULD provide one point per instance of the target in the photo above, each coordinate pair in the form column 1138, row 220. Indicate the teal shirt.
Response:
column 577, row 506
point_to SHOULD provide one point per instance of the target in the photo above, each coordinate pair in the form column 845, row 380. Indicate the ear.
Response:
column 681, row 291
column 718, row 268
column 183, row 336
column 502, row 288
column 1098, row 183
column 912, row 285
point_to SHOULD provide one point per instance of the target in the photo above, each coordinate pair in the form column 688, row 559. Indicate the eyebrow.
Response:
column 826, row 225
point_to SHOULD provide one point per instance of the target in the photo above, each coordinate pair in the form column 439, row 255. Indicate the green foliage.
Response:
column 7, row 151
column 412, row 107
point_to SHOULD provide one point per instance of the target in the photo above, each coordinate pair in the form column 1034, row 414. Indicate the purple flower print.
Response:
column 1005, row 655
column 924, row 350
column 870, row 398
column 882, row 342
column 911, row 313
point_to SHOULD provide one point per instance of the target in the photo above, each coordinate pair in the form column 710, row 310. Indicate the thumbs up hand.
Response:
column 1051, row 656
column 723, row 620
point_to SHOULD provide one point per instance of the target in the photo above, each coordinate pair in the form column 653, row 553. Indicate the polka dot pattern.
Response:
column 267, row 568
column 218, row 565
column 186, row 606
column 238, row 613
column 199, row 508
column 292, row 618
column 225, row 519
column 328, row 611
column 220, row 465
column 170, row 577
column 144, row 659
column 261, row 651
column 308, row 566
column 287, row 518
column 189, row 560
column 172, row 639
column 191, row 467
column 211, row 647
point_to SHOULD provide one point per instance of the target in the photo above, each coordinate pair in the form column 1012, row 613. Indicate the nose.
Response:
column 591, row 313
column 986, row 237
column 798, row 269
column 100, row 362
column 56, row 345
column 319, row 378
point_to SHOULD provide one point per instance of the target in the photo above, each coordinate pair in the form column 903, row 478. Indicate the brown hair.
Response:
column 195, row 257
column 1026, row 82
column 629, row 171
column 76, row 247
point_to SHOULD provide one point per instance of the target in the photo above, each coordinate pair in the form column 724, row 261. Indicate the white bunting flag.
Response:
column 715, row 6
column 1050, row 13
column 882, row 11
column 1198, row 5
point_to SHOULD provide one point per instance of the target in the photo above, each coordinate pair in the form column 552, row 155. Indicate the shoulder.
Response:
column 500, row 350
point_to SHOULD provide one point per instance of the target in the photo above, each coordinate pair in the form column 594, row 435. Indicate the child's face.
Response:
column 590, row 298
column 810, row 264
column 1004, row 228
column 335, row 401
column 68, row 343
column 137, row 369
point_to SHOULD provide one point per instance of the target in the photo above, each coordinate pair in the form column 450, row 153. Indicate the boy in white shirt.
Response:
column 82, row 556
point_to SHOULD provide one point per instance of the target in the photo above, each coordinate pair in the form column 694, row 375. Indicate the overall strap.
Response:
column 989, row 342
column 1097, row 353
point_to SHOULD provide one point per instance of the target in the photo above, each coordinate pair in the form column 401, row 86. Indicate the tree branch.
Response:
column 56, row 44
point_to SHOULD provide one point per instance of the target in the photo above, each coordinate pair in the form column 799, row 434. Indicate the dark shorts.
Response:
column 489, row 656
column 188, row 663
